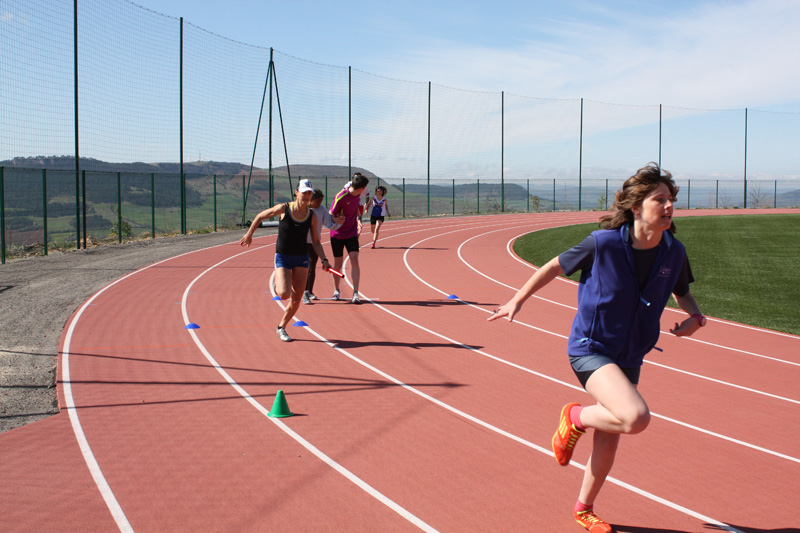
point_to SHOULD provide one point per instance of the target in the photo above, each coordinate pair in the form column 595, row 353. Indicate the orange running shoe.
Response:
column 565, row 437
column 590, row 521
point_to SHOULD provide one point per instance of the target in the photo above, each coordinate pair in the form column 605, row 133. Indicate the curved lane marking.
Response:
column 663, row 417
column 723, row 526
column 83, row 442
column 712, row 319
column 419, row 523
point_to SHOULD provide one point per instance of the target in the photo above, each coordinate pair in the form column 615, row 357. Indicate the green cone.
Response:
column 280, row 408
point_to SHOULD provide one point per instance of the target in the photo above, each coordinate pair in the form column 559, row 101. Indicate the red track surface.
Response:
column 412, row 412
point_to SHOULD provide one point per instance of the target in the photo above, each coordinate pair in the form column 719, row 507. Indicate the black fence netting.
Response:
column 177, row 129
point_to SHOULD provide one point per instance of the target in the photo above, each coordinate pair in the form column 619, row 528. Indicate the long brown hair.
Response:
column 633, row 192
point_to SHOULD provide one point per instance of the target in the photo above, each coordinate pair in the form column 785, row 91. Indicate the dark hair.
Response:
column 633, row 192
column 381, row 188
column 359, row 181
column 317, row 194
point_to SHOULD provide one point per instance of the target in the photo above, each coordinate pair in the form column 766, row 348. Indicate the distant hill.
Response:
column 790, row 198
column 320, row 171
column 193, row 167
column 90, row 164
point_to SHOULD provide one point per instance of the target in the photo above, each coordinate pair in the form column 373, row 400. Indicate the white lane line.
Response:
column 726, row 383
column 691, row 339
column 502, row 432
column 674, row 369
column 86, row 450
column 700, row 376
column 573, row 219
column 524, row 324
column 498, row 359
column 83, row 442
column 707, row 343
column 671, row 309
column 419, row 523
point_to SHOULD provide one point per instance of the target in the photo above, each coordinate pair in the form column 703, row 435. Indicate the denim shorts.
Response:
column 290, row 261
column 586, row 365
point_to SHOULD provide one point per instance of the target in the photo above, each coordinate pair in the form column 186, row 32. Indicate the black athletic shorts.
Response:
column 338, row 246
column 586, row 365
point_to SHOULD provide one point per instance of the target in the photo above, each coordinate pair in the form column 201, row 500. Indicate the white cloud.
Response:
column 710, row 55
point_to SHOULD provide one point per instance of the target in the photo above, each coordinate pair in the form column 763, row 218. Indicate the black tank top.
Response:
column 292, row 233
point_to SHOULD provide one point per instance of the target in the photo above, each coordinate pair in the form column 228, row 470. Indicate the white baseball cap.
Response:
column 305, row 186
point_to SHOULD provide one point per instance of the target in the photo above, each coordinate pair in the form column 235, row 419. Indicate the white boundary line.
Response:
column 86, row 450
column 83, row 442
column 91, row 461
column 700, row 376
column 672, row 309
column 119, row 515
column 656, row 415
column 496, row 429
column 419, row 523
column 720, row 346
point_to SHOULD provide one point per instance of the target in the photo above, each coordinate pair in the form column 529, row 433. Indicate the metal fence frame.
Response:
column 195, row 202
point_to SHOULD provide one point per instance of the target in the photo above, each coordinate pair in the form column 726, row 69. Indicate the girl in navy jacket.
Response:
column 628, row 271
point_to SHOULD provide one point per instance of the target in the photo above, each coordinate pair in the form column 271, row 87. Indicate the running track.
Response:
column 412, row 412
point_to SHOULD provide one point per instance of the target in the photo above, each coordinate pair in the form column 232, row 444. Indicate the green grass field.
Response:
column 743, row 265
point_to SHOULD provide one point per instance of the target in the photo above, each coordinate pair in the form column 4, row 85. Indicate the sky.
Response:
column 705, row 61
column 696, row 54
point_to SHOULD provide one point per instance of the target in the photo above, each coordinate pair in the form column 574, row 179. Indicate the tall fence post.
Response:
column 44, row 208
column 745, row 158
column 502, row 151
column 215, row 202
column 349, row 122
column 454, row 197
column 528, row 197
column 77, row 210
column 716, row 199
column 83, row 206
column 554, row 194
column 119, row 207
column 689, row 193
column 429, row 148
column 479, row 196
column 2, row 218
column 270, row 77
column 580, row 161
column 775, row 196
column 659, row 136
column 153, row 205
column 77, row 151
column 404, row 198
column 183, row 176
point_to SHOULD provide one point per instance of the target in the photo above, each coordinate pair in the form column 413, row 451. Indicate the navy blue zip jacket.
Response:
column 614, row 318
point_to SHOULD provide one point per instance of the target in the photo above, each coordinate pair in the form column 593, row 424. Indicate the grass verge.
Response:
column 744, row 265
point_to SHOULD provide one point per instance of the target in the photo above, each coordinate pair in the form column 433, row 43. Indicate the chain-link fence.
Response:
column 118, row 122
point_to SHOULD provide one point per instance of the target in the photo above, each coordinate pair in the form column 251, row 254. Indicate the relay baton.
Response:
column 335, row 272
